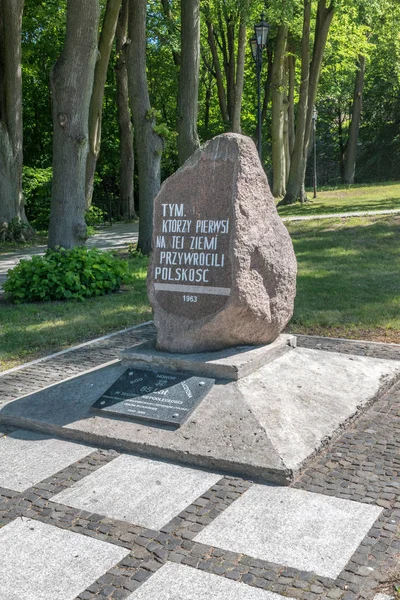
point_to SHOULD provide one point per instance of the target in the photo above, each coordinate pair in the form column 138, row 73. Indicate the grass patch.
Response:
column 28, row 331
column 348, row 283
column 348, row 286
column 349, row 199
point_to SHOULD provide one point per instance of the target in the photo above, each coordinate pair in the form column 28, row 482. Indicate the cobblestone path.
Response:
column 116, row 526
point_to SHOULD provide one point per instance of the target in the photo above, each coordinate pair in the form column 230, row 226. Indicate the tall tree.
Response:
column 149, row 144
column 351, row 150
column 239, row 80
column 126, row 154
column 188, row 139
column 226, row 23
column 11, row 198
column 279, row 113
column 96, row 102
column 310, row 73
column 72, row 83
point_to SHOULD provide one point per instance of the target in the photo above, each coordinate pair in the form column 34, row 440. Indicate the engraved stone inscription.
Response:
column 191, row 267
column 153, row 396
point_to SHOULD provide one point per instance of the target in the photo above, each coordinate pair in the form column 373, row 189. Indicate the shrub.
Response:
column 94, row 216
column 37, row 192
column 61, row 274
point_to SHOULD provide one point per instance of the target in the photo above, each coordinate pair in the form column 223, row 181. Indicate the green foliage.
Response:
column 15, row 230
column 134, row 251
column 66, row 275
column 94, row 216
column 37, row 191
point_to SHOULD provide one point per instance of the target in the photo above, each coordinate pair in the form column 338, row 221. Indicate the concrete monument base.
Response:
column 232, row 363
column 265, row 425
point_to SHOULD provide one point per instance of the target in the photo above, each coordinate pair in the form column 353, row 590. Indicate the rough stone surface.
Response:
column 310, row 532
column 245, row 427
column 138, row 490
column 56, row 563
column 185, row 583
column 218, row 208
column 28, row 457
column 362, row 464
column 232, row 363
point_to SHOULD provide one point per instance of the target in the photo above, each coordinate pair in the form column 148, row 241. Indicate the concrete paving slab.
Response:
column 301, row 399
column 232, row 363
column 28, row 457
column 179, row 582
column 266, row 425
column 42, row 562
column 299, row 529
column 138, row 490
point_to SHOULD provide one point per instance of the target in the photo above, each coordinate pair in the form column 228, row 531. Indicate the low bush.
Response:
column 61, row 274
column 37, row 192
column 94, row 216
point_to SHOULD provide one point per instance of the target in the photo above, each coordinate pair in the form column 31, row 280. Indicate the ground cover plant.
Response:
column 74, row 274
column 351, row 199
column 348, row 286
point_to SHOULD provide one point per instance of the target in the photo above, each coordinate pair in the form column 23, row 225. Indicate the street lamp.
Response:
column 314, row 120
column 258, row 43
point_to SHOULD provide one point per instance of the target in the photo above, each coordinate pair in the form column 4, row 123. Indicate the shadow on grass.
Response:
column 319, row 207
column 349, row 274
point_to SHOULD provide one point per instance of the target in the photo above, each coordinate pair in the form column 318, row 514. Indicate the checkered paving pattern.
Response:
column 137, row 560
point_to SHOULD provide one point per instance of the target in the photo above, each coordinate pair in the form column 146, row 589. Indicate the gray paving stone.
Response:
column 42, row 562
column 28, row 457
column 138, row 490
column 299, row 529
column 180, row 582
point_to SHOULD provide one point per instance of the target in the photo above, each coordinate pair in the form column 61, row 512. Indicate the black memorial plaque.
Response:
column 167, row 398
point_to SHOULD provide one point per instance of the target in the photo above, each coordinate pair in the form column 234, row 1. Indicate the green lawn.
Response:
column 31, row 330
column 353, row 198
column 348, row 286
column 349, row 277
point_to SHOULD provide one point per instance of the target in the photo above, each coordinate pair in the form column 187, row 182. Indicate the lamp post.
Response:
column 258, row 43
column 314, row 120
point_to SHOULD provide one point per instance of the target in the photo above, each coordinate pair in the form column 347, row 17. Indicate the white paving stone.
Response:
column 383, row 597
column 138, row 490
column 28, row 457
column 299, row 529
column 42, row 562
column 179, row 582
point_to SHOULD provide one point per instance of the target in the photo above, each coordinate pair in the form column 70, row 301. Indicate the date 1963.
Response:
column 189, row 298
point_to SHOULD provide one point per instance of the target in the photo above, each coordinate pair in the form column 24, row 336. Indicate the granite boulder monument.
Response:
column 223, row 269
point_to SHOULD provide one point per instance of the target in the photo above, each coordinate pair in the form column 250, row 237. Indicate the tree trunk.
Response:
column 323, row 22
column 11, row 198
column 126, row 154
column 278, row 114
column 218, row 72
column 351, row 150
column 267, row 85
column 149, row 145
column 230, row 69
column 188, row 140
column 292, row 83
column 96, row 103
column 241, row 54
column 308, row 94
column 170, row 28
column 295, row 180
column 72, row 83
